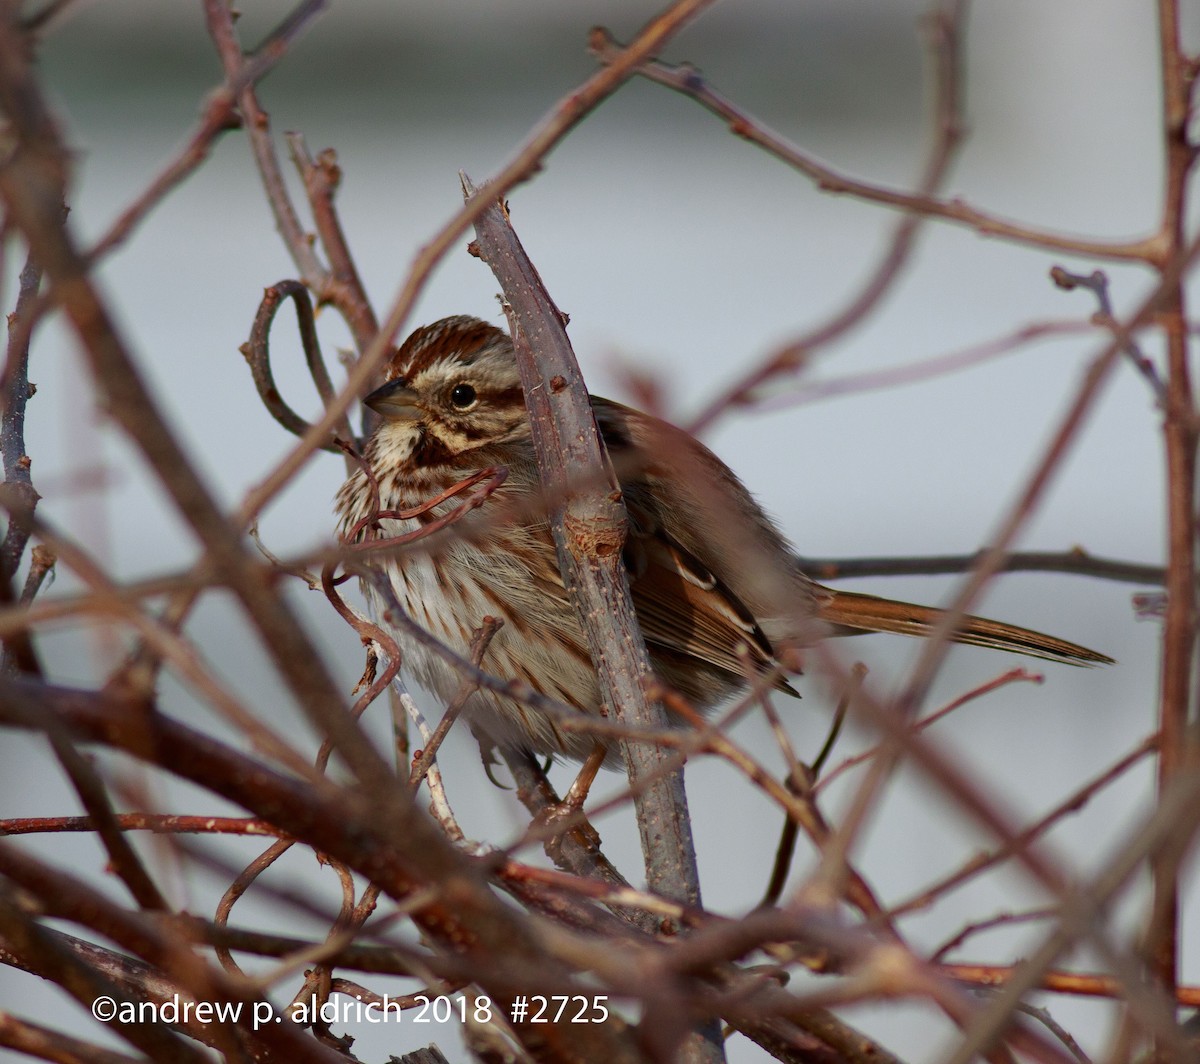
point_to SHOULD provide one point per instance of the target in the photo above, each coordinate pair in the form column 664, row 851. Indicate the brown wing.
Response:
column 684, row 604
column 685, row 609
column 727, row 565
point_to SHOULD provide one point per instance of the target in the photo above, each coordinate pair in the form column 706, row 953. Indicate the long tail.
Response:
column 851, row 613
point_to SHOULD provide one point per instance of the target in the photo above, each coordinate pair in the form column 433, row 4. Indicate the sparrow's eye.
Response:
column 462, row 396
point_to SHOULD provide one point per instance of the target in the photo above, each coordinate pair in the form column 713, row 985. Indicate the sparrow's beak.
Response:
column 394, row 401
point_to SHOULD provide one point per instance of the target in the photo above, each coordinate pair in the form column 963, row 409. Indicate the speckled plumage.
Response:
column 713, row 581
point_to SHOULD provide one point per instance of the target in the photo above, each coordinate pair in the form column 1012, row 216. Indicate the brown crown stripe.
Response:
column 458, row 337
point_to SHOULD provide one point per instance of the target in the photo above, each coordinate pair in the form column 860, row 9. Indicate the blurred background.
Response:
column 690, row 255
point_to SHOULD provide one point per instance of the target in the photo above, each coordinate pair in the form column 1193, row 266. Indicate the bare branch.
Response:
column 321, row 179
column 945, row 25
column 16, row 392
column 403, row 851
column 1076, row 561
column 257, row 353
column 219, row 17
column 1097, row 283
column 689, row 82
column 524, row 163
column 589, row 528
column 31, row 187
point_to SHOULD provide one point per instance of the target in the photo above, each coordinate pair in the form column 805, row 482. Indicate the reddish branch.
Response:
column 381, row 835
column 690, row 82
column 1178, row 751
column 60, row 894
column 32, row 180
column 1080, row 984
column 257, row 353
column 163, row 823
column 36, row 1041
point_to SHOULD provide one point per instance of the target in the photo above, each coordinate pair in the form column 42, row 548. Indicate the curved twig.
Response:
column 239, row 887
column 258, row 357
column 689, row 82
column 489, row 480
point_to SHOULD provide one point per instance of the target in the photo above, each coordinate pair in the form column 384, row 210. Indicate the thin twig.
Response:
column 1055, row 1028
column 690, row 82
column 257, row 353
column 800, row 781
column 1097, row 283
column 219, row 116
column 1076, row 561
column 219, row 17
column 321, row 179
column 809, row 390
column 1056, row 981
column 1039, row 828
column 1005, row 919
column 1012, row 676
column 467, row 687
column 525, row 162
column 944, row 26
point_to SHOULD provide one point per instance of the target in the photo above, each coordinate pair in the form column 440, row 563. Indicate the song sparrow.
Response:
column 714, row 583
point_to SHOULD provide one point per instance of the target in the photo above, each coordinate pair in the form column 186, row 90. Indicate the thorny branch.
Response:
column 589, row 528
column 18, row 480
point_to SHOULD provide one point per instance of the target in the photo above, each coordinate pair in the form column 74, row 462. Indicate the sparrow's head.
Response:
column 452, row 388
